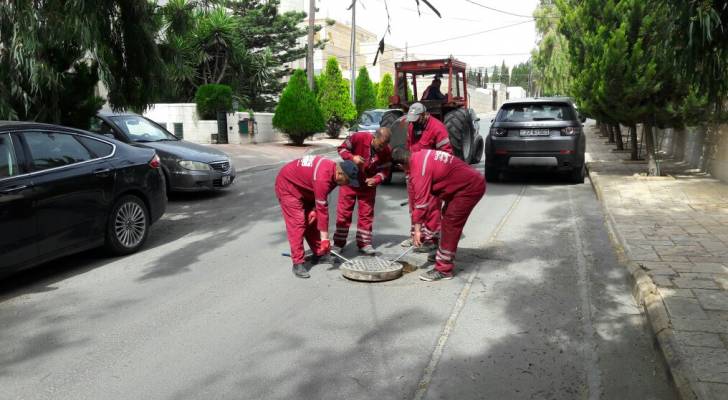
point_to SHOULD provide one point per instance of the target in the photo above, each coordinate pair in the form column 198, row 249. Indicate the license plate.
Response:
column 535, row 132
column 225, row 180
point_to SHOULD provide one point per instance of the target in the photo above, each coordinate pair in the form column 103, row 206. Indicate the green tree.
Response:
column 505, row 76
column 243, row 44
column 50, row 47
column 298, row 114
column 495, row 77
column 213, row 98
column 366, row 97
column 551, row 59
column 334, row 99
column 385, row 91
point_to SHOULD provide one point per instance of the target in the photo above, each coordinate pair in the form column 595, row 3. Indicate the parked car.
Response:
column 63, row 191
column 187, row 166
column 369, row 120
column 536, row 133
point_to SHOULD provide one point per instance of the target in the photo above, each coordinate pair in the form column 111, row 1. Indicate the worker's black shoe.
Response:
column 432, row 257
column 300, row 271
column 324, row 259
column 435, row 275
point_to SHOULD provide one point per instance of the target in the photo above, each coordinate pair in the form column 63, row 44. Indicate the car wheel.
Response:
column 478, row 153
column 460, row 128
column 492, row 174
column 389, row 118
column 577, row 175
column 128, row 225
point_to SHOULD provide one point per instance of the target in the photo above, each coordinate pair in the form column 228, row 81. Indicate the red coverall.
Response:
column 436, row 174
column 303, row 186
column 377, row 166
column 433, row 136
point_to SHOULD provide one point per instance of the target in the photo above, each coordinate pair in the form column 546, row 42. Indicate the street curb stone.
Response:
column 646, row 294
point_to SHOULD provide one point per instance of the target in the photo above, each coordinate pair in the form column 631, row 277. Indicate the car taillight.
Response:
column 155, row 162
column 570, row 131
column 498, row 131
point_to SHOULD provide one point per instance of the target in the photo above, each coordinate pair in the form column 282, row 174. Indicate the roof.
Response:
column 106, row 113
column 541, row 100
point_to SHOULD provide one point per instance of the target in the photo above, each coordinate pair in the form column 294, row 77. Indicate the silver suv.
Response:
column 536, row 133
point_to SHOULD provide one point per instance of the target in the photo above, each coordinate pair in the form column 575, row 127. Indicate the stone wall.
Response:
column 717, row 151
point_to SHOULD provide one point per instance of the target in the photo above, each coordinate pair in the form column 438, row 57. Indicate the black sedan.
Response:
column 188, row 167
column 63, row 191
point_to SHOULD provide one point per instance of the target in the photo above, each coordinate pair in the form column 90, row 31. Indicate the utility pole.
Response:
column 309, row 48
column 353, row 53
column 406, row 51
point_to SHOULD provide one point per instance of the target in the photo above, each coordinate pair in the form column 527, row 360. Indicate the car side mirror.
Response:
column 582, row 118
column 477, row 119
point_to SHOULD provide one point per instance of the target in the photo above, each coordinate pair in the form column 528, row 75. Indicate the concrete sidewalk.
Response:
column 672, row 233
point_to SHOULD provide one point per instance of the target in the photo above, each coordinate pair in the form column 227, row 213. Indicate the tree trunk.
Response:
column 678, row 147
column 653, row 167
column 603, row 129
column 610, row 130
column 618, row 137
column 633, row 142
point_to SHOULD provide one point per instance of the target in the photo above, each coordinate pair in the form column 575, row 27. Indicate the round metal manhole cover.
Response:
column 371, row 269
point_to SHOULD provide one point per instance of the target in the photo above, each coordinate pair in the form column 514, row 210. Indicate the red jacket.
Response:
column 438, row 174
column 310, row 178
column 434, row 136
column 376, row 165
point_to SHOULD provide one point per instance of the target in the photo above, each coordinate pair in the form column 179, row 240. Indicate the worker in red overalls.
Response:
column 302, row 187
column 426, row 132
column 373, row 156
column 437, row 174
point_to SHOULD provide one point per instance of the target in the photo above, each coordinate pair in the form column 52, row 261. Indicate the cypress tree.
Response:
column 298, row 114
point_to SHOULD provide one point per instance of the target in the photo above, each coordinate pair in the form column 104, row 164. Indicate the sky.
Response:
column 459, row 18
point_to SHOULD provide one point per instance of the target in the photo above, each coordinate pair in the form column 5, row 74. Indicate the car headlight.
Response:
column 194, row 165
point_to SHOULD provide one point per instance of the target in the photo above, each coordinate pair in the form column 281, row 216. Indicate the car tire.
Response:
column 128, row 225
column 578, row 175
column 460, row 127
column 390, row 117
column 492, row 175
column 478, row 153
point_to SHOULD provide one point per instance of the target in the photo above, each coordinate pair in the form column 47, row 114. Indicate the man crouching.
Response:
column 436, row 174
column 302, row 187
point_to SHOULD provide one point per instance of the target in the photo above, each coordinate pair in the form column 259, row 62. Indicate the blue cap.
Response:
column 352, row 171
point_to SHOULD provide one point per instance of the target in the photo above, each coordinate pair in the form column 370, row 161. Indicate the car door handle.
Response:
column 14, row 189
column 102, row 172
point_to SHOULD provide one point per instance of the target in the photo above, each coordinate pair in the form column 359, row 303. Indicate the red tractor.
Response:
column 449, row 106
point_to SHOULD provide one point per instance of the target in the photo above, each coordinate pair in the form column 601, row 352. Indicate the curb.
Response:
column 321, row 150
column 646, row 294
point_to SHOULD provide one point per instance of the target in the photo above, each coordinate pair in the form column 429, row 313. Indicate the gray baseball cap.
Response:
column 415, row 110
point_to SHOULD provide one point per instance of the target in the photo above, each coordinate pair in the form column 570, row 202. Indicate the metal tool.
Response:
column 340, row 256
column 404, row 203
column 285, row 254
column 401, row 255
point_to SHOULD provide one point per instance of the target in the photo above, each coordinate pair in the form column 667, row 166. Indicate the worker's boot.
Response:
column 300, row 271
column 368, row 250
column 426, row 247
column 406, row 243
column 324, row 259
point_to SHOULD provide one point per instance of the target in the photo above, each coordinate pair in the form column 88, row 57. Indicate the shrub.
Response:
column 385, row 90
column 366, row 97
column 333, row 96
column 213, row 98
column 298, row 114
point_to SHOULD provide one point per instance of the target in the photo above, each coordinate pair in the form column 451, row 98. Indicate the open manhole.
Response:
column 372, row 269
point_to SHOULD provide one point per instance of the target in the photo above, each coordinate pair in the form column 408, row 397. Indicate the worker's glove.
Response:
column 311, row 217
column 324, row 247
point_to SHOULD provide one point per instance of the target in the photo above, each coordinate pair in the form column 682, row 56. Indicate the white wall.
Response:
column 200, row 131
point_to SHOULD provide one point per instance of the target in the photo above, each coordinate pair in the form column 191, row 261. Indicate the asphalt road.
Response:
column 539, row 309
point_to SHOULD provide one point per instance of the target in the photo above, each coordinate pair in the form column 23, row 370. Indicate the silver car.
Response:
column 188, row 167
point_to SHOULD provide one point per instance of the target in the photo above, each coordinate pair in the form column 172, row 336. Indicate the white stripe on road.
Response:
column 459, row 304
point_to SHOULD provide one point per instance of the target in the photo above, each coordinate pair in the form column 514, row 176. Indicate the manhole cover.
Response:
column 371, row 269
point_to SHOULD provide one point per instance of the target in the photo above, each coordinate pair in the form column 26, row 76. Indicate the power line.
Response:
column 508, row 12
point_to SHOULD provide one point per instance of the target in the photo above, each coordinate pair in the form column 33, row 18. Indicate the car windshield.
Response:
column 371, row 118
column 140, row 129
column 528, row 112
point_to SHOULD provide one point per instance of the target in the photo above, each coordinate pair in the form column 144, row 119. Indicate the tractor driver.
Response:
column 433, row 91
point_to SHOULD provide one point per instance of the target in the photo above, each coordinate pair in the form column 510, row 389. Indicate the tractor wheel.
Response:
column 460, row 127
column 478, row 153
column 390, row 117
